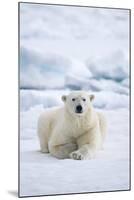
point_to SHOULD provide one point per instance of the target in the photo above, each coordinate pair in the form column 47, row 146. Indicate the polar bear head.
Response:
column 78, row 102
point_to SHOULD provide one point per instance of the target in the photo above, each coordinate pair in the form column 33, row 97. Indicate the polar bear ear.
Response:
column 64, row 97
column 91, row 97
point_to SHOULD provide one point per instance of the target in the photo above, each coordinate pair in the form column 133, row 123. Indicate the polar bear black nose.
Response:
column 79, row 109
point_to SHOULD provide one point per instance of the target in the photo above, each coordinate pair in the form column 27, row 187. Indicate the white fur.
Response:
column 65, row 133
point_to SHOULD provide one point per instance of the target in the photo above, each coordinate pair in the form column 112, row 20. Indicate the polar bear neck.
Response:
column 80, row 122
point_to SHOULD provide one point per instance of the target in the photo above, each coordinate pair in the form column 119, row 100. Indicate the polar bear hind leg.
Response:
column 103, row 127
column 43, row 130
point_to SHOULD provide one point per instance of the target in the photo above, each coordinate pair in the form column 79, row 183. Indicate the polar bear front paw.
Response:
column 77, row 155
column 80, row 155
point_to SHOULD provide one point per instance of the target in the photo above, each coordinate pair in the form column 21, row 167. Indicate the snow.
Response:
column 110, row 100
column 61, row 45
column 42, row 174
column 114, row 66
column 74, row 48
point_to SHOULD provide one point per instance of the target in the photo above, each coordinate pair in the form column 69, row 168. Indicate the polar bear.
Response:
column 74, row 130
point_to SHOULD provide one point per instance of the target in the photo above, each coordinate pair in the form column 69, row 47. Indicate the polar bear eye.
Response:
column 84, row 99
column 73, row 99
